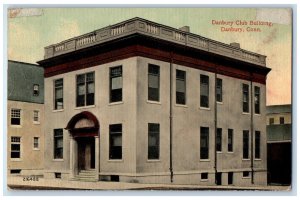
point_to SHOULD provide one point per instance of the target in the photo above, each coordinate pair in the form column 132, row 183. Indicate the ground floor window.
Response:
column 15, row 147
column 58, row 144
column 115, row 141
column 153, row 141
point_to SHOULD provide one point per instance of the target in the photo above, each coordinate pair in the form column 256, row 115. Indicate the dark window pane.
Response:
column 204, row 175
column 257, row 144
column 281, row 120
column 230, row 178
column 80, row 100
column 204, row 91
column 153, row 69
column 180, row 87
column 15, row 154
column 116, row 83
column 153, row 82
column 58, row 94
column 245, row 98
column 90, row 99
column 180, row 98
column 58, row 143
column 153, row 94
column 204, row 142
column 257, row 100
column 245, row 144
column 219, row 139
column 15, row 121
column 115, row 141
column 271, row 121
column 153, row 141
column 219, row 90
column 230, row 140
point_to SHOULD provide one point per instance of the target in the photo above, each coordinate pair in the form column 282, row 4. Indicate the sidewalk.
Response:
column 58, row 184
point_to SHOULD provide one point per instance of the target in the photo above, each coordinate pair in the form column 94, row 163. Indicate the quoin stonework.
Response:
column 142, row 102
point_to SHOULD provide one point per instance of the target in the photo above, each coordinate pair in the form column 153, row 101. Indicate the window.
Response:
column 246, row 174
column 15, row 147
column 36, row 91
column 15, row 171
column 116, row 83
column 245, row 144
column 230, row 178
column 153, row 82
column 57, row 175
column 271, row 121
column 180, row 87
column 58, row 144
column 36, row 143
column 153, row 141
column 281, row 120
column 257, row 144
column 245, row 98
column 36, row 116
column 219, row 178
column 15, row 116
column 85, row 89
column 204, row 142
column 230, row 140
column 115, row 141
column 204, row 91
column 58, row 94
column 219, row 91
column 257, row 100
column 204, row 176
column 219, row 139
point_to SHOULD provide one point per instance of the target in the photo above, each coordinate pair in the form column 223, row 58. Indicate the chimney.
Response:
column 185, row 29
column 235, row 44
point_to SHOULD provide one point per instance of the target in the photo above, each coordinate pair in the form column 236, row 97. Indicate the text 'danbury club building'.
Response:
column 146, row 103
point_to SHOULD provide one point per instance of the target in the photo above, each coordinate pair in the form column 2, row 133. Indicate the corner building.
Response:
column 142, row 102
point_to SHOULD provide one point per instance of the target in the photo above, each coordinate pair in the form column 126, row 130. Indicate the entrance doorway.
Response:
column 86, row 153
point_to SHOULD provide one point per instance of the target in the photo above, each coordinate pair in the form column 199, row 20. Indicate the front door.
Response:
column 86, row 153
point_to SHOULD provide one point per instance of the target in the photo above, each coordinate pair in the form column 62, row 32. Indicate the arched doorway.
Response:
column 84, row 143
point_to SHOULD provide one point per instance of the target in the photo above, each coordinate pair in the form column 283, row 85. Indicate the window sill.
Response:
column 85, row 107
column 204, row 180
column 36, row 149
column 58, row 160
column 116, row 103
column 220, row 102
column 154, row 102
column 181, row 105
column 36, row 123
column 204, row 108
column 219, row 152
column 257, row 159
column 116, row 160
column 246, row 159
column 246, row 177
column 153, row 161
column 231, row 152
column 16, row 126
column 245, row 113
column 60, row 110
column 257, row 114
column 204, row 160
column 16, row 159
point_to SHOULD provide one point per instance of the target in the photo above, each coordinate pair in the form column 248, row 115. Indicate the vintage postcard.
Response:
column 149, row 98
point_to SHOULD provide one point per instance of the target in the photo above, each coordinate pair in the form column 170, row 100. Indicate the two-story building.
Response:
column 25, row 119
column 142, row 102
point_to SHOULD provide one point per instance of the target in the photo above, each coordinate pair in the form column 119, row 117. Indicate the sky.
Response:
column 30, row 30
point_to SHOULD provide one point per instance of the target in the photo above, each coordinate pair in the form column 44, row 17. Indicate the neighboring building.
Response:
column 279, row 131
column 25, row 119
column 143, row 102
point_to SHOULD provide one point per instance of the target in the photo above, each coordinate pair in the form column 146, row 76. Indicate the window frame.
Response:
column 119, row 133
column 110, row 84
column 176, row 88
column 36, row 116
column 204, row 134
column 202, row 95
column 15, row 115
column 158, row 78
column 157, row 146
column 271, row 120
column 204, row 176
column 219, row 140
column 230, row 148
column 257, row 100
column 281, row 120
column 15, row 143
column 219, row 88
column 85, row 84
column 57, row 137
column 257, row 149
column 36, row 144
column 57, row 87
column 245, row 102
column 36, row 92
column 246, row 147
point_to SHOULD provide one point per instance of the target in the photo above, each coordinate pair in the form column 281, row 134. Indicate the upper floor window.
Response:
column 15, row 116
column 245, row 98
column 281, row 120
column 257, row 144
column 116, row 84
column 153, row 141
column 230, row 140
column 36, row 116
column 58, row 143
column 58, row 94
column 219, row 89
column 36, row 91
column 204, row 91
column 153, row 82
column 15, row 147
column 204, row 142
column 36, row 142
column 257, row 100
column 180, row 87
column 85, row 89
column 271, row 121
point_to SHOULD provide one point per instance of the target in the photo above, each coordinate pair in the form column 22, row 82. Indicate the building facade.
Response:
column 279, row 134
column 143, row 102
column 25, row 119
